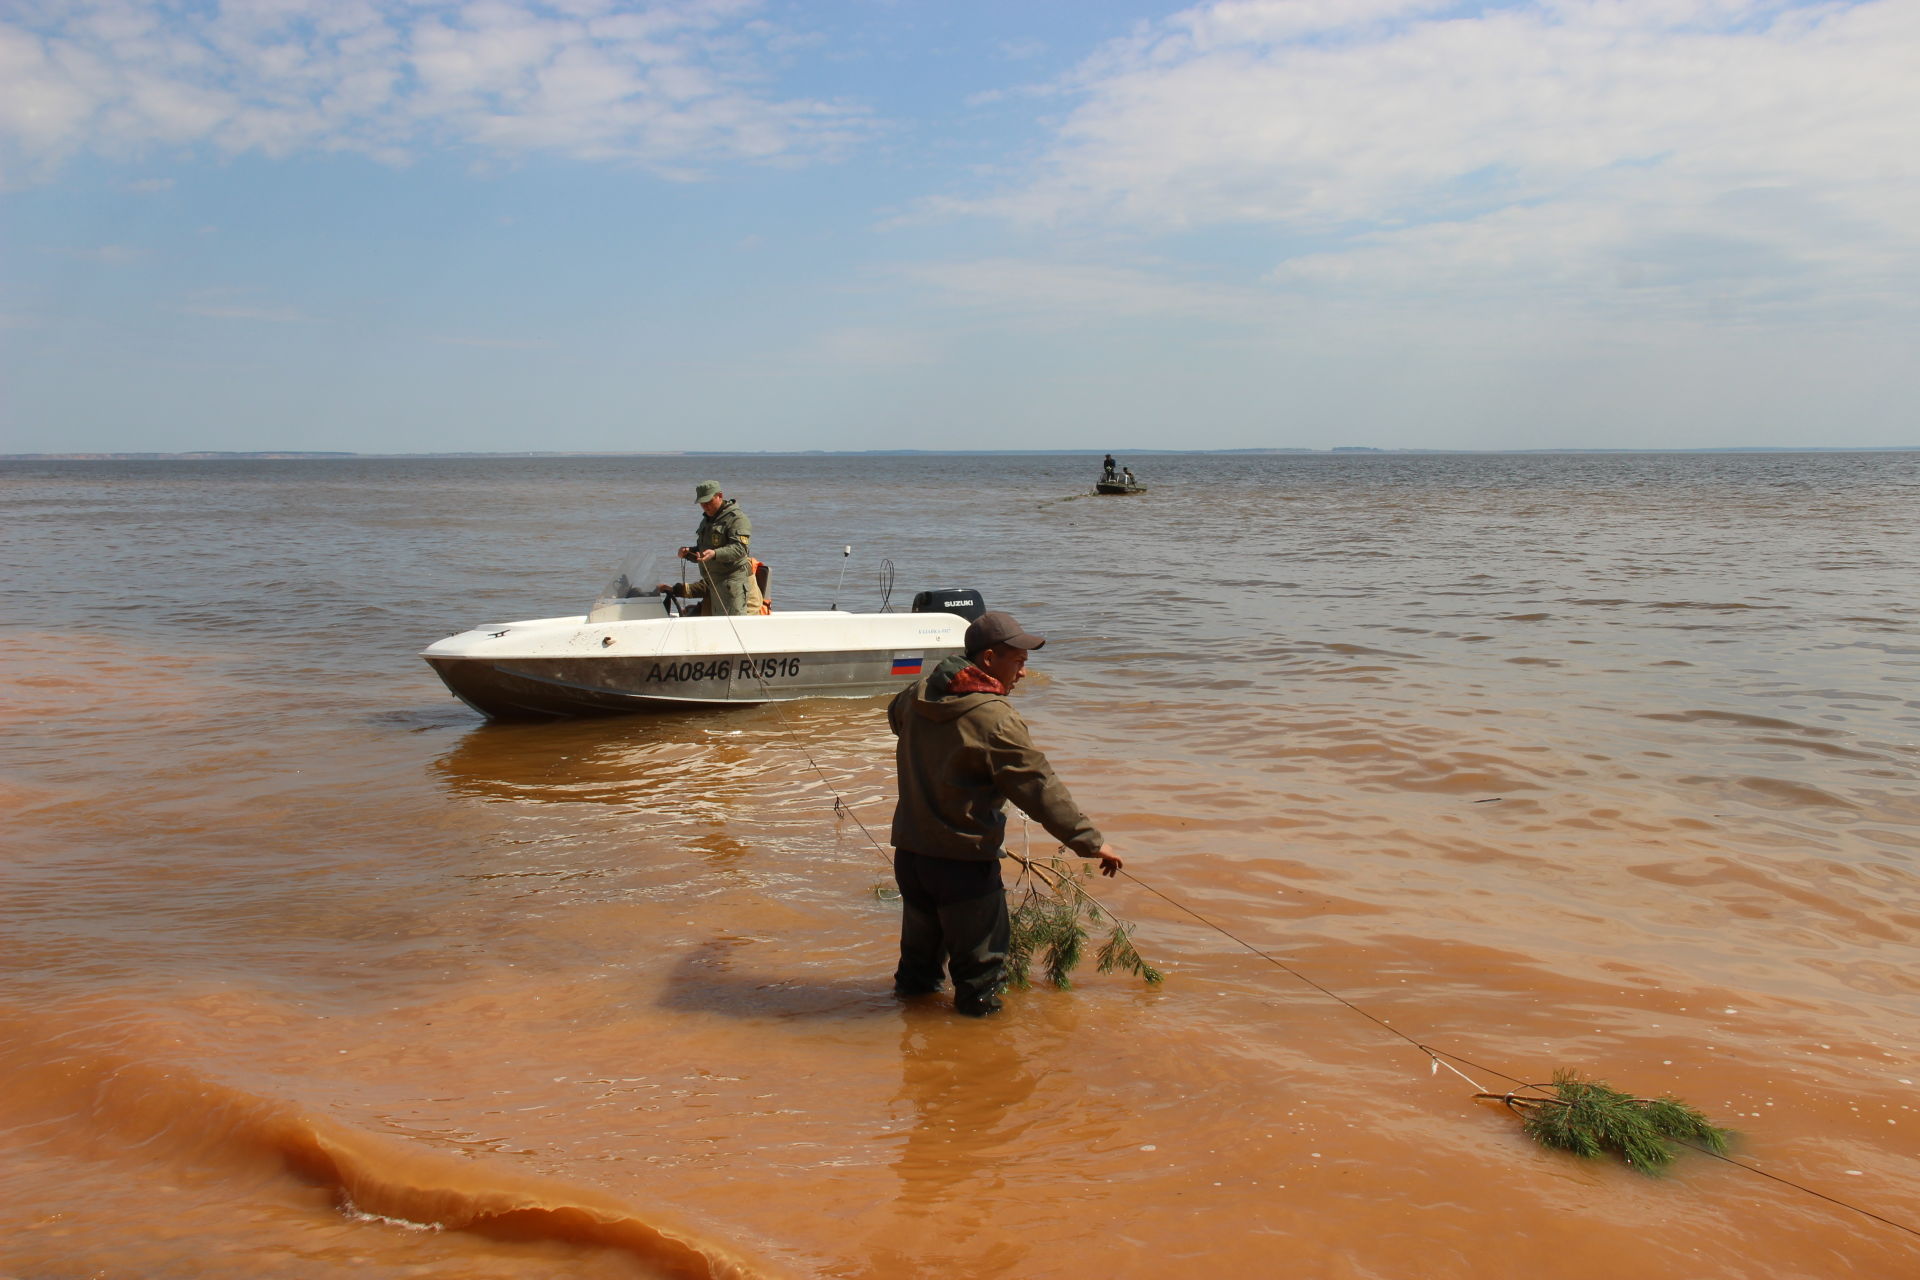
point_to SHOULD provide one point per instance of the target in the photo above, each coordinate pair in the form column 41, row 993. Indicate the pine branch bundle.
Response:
column 1049, row 930
column 1590, row 1119
column 1117, row 953
column 1051, row 920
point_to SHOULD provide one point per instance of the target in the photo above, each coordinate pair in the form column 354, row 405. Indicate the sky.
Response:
column 603, row 225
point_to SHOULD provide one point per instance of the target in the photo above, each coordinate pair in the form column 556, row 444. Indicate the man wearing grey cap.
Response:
column 963, row 753
column 720, row 549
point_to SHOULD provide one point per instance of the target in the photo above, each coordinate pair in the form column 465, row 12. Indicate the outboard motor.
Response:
column 963, row 602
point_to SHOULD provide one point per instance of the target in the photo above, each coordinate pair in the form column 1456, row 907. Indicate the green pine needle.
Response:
column 1117, row 952
column 1026, row 927
column 1590, row 1119
column 1050, row 925
column 1676, row 1120
column 1065, row 940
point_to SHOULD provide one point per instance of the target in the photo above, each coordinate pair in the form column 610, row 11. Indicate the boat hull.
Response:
column 564, row 667
column 1111, row 489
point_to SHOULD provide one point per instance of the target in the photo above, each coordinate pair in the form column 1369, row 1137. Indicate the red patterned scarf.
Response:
column 971, row 679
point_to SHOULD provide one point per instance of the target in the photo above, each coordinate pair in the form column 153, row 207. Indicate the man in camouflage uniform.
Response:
column 720, row 549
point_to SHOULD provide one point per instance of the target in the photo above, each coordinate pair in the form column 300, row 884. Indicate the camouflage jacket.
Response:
column 726, row 533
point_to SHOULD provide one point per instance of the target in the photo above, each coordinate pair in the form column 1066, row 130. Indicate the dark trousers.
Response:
column 953, row 915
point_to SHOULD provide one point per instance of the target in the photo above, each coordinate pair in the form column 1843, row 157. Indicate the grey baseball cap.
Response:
column 990, row 629
column 706, row 489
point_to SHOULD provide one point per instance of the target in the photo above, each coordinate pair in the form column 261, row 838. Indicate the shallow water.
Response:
column 1604, row 762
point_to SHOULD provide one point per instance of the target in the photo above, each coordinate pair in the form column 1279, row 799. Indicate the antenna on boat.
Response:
column 845, row 552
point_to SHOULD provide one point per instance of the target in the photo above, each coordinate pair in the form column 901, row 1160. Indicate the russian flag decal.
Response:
column 906, row 664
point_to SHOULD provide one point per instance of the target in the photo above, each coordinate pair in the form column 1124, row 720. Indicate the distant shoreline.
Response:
column 292, row 455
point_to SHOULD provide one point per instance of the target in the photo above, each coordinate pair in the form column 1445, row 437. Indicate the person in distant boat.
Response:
column 963, row 753
column 1107, row 469
column 1126, row 476
column 720, row 549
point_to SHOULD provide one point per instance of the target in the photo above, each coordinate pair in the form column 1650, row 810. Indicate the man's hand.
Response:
column 1110, row 863
column 702, row 557
column 685, row 553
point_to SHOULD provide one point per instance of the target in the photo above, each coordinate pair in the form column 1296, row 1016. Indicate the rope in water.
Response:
column 786, row 726
column 1436, row 1055
column 1438, row 1058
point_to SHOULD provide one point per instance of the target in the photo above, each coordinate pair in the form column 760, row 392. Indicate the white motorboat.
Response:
column 634, row 651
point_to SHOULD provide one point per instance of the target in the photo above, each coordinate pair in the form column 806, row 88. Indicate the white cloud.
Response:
column 235, row 303
column 859, row 347
column 40, row 104
column 1054, row 293
column 1753, row 154
column 496, row 344
column 675, row 84
column 265, row 315
column 106, row 255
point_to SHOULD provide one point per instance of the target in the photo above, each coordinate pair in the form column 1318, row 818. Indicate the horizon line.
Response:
column 214, row 455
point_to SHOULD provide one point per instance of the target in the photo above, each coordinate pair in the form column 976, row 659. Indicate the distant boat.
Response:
column 1114, row 487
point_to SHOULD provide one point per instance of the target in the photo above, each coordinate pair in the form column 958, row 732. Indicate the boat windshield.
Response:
column 642, row 573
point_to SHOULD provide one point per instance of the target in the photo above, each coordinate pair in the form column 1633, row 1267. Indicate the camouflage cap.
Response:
column 706, row 489
column 990, row 629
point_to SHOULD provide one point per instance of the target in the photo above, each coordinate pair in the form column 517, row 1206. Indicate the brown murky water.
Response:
column 1594, row 762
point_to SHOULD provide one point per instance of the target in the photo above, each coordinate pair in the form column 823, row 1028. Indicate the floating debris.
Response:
column 1590, row 1119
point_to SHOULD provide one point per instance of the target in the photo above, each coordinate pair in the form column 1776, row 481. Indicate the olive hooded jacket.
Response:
column 727, row 533
column 961, row 758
